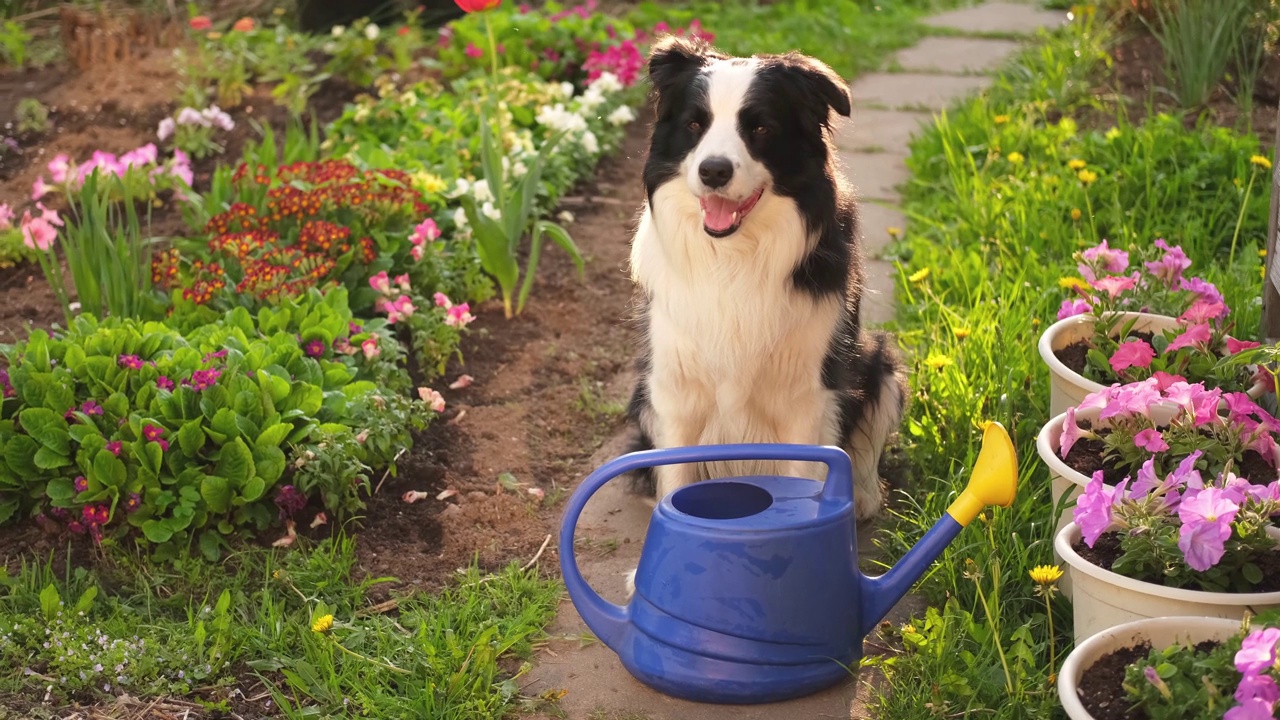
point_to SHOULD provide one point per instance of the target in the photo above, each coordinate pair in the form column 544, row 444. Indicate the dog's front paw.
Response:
column 868, row 498
column 630, row 582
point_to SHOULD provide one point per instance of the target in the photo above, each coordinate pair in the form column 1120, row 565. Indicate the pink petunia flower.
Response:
column 1252, row 709
column 1150, row 440
column 1134, row 353
column 1257, row 652
column 1170, row 266
column 1103, row 256
column 1206, row 517
column 1072, row 307
column 1202, row 311
column 1237, row 346
column 1071, row 433
column 1198, row 334
column 1113, row 285
column 1093, row 509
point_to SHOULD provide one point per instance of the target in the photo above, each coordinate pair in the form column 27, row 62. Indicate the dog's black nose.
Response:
column 716, row 172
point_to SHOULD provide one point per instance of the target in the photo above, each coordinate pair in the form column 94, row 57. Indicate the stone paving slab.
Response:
column 875, row 176
column 877, row 297
column 875, row 220
column 955, row 55
column 998, row 17
column 915, row 91
column 882, row 130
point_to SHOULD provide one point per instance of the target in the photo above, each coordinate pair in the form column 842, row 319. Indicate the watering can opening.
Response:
column 721, row 500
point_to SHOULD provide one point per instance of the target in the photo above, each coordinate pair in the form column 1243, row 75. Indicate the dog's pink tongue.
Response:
column 718, row 212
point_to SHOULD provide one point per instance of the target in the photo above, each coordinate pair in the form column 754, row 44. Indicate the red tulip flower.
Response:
column 477, row 5
column 200, row 23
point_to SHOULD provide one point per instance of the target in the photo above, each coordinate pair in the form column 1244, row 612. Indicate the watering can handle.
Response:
column 609, row 621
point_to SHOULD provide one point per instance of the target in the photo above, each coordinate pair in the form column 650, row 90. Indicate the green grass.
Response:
column 853, row 37
column 996, row 232
column 207, row 633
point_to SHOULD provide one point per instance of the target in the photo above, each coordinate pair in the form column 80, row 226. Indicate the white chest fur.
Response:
column 736, row 351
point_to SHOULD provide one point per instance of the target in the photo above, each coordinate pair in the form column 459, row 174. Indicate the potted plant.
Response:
column 1189, row 668
column 1175, row 543
column 1154, row 426
column 1127, row 327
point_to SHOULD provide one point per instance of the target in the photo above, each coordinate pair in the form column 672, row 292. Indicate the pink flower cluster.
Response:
column 426, row 232
column 39, row 232
column 393, row 303
column 210, row 117
column 1257, row 694
column 457, row 315
column 1111, row 287
column 64, row 174
column 623, row 60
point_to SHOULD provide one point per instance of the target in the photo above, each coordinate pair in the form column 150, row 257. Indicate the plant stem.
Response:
column 1231, row 259
column 995, row 637
column 353, row 653
column 1048, row 611
column 493, row 69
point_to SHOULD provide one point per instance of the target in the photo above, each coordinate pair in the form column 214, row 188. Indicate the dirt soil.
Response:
column 1106, row 551
column 1101, row 688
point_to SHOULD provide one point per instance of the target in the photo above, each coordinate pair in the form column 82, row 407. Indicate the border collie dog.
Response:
column 750, row 277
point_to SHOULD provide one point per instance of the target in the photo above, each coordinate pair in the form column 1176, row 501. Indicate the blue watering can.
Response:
column 748, row 588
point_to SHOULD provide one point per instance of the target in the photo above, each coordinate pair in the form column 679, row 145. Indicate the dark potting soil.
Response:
column 1101, row 687
column 1086, row 457
column 1074, row 355
column 1106, row 551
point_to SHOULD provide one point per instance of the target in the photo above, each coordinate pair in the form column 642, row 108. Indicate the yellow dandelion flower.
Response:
column 1075, row 213
column 1261, row 161
column 1087, row 176
column 1262, row 253
column 893, row 231
column 937, row 362
column 1016, row 158
column 1000, row 119
column 323, row 624
column 961, row 333
column 1076, row 164
column 919, row 275
column 1072, row 283
column 1113, row 133
column 1046, row 574
column 1035, row 322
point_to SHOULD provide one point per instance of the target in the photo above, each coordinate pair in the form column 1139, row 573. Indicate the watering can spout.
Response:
column 994, row 481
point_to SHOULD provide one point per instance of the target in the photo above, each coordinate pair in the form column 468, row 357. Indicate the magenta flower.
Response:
column 133, row 503
column 1206, row 517
column 1150, row 440
column 1235, row 346
column 80, row 484
column 1134, row 353
column 1254, row 709
column 91, row 408
column 1193, row 335
column 1093, row 509
column 1071, row 433
column 75, row 527
column 315, row 348
column 1204, row 289
column 152, row 432
column 1105, row 257
column 290, row 501
column 1202, row 311
column 210, row 357
column 1072, row 307
column 202, row 379
column 1113, row 285
column 1132, row 399
column 6, row 387
column 130, row 362
column 164, row 383
column 381, row 282
column 473, row 51
column 114, row 447
column 1170, row 266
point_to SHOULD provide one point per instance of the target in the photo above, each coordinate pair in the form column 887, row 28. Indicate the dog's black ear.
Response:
column 822, row 80
column 673, row 57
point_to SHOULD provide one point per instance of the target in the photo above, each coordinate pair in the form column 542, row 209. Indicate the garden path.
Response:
column 888, row 108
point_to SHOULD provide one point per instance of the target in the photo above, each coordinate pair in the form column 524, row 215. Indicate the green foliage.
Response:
column 1201, row 41
column 996, row 232
column 31, row 116
column 13, row 44
column 13, row 250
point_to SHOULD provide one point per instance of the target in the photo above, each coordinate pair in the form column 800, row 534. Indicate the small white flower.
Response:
column 621, row 116
column 519, row 170
column 589, row 142
column 491, row 212
column 481, row 190
column 566, row 89
column 371, row 31
column 338, row 30
column 590, row 100
column 462, row 188
column 607, row 83
column 460, row 218
column 565, row 217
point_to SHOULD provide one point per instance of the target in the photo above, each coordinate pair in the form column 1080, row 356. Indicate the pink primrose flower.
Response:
column 370, row 348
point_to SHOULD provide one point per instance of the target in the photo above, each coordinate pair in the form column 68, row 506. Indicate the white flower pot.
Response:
column 1102, row 599
column 1160, row 632
column 1067, row 388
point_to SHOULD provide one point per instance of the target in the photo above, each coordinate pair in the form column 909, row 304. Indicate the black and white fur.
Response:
column 751, row 333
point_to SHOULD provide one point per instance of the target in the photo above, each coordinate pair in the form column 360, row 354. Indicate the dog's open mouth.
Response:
column 721, row 217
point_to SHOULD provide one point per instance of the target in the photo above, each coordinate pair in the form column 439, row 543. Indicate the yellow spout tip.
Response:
column 994, row 480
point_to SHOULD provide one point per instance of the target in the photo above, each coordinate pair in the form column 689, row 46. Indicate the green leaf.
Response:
column 85, row 603
column 50, row 601
column 80, row 433
column 156, row 531
column 235, row 463
column 253, row 490
column 59, row 489
column 211, row 546
column 19, row 455
column 216, row 492
column 47, row 427
column 275, row 386
column 191, row 438
column 47, row 459
column 1252, row 573
column 273, row 436
column 109, row 469
column 224, row 423
column 269, row 461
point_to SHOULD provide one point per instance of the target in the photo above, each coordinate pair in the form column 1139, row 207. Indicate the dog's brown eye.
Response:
column 694, row 125
column 761, row 130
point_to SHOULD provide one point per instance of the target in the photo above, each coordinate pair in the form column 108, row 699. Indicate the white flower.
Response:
column 463, row 187
column 460, row 217
column 591, row 99
column 166, row 129
column 565, row 217
column 589, row 142
column 371, row 31
column 491, row 212
column 557, row 117
column 519, row 170
column 338, row 30
column 621, row 116
column 215, row 116
column 481, row 191
column 566, row 89
column 607, row 83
